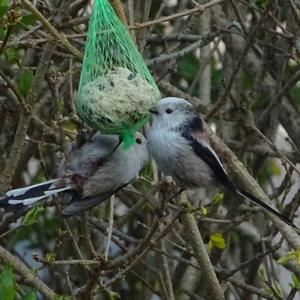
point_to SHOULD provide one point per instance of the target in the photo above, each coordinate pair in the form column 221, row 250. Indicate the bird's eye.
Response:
column 169, row 110
column 138, row 141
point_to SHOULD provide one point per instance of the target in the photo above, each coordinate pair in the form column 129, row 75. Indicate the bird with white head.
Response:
column 178, row 143
column 94, row 169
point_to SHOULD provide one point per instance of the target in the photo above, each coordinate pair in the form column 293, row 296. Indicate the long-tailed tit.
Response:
column 180, row 147
column 92, row 171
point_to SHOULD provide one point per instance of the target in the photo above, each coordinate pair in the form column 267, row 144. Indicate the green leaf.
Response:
column 111, row 295
column 28, row 20
column 25, row 82
column 285, row 259
column 269, row 168
column 7, row 284
column 216, row 80
column 246, row 81
column 295, row 284
column 11, row 55
column 32, row 215
column 25, row 21
column 297, row 255
column 188, row 66
column 4, row 5
column 203, row 211
column 30, row 296
column 2, row 32
column 262, row 274
column 70, row 125
column 218, row 199
column 277, row 288
column 50, row 257
column 296, row 95
column 216, row 240
column 59, row 297
column 275, row 169
column 260, row 3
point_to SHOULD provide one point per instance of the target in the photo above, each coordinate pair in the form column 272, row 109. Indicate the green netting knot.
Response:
column 116, row 88
column 128, row 135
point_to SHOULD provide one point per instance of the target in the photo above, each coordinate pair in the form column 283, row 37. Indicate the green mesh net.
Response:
column 116, row 88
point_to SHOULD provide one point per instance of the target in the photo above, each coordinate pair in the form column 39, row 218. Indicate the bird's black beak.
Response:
column 153, row 110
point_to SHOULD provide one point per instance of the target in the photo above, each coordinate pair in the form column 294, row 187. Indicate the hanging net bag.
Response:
column 116, row 88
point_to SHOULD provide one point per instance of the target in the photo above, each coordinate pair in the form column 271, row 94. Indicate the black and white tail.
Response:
column 29, row 195
column 265, row 206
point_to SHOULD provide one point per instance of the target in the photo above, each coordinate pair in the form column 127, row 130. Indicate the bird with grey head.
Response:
column 94, row 169
column 179, row 145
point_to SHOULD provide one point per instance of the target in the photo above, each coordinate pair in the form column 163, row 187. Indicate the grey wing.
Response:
column 192, row 171
column 208, row 160
column 106, row 181
column 108, row 177
column 84, row 159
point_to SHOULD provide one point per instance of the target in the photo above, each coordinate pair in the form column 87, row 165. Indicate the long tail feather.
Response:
column 265, row 206
column 31, row 194
column 35, row 189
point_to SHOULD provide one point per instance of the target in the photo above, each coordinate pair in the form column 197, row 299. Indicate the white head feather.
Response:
column 171, row 112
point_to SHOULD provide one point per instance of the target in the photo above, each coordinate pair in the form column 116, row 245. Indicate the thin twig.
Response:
column 120, row 235
column 196, row 10
column 222, row 99
column 167, row 274
column 73, row 297
column 213, row 286
column 118, row 8
column 144, row 247
column 241, row 172
column 110, row 226
column 281, row 155
column 172, row 90
column 295, row 12
column 131, row 17
column 76, row 246
column 25, row 117
column 87, row 235
column 250, row 288
column 27, row 274
column 6, row 38
column 11, row 85
column 58, row 36
column 75, row 262
column 201, row 43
